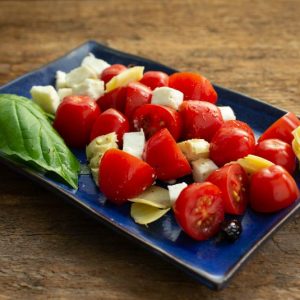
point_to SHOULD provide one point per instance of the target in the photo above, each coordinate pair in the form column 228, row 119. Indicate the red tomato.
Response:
column 123, row 176
column 74, row 119
column 199, row 210
column 231, row 143
column 137, row 95
column 282, row 128
column 153, row 117
column 240, row 125
column 112, row 71
column 193, row 86
column 232, row 180
column 109, row 121
column 278, row 152
column 113, row 99
column 162, row 153
column 154, row 79
column 200, row 119
column 272, row 189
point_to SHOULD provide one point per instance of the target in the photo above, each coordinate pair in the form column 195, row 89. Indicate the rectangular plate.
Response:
column 211, row 262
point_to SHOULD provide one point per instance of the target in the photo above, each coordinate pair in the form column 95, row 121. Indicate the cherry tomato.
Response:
column 231, row 143
column 272, row 189
column 282, row 128
column 123, row 176
column 232, row 180
column 199, row 210
column 154, row 79
column 74, row 119
column 153, row 117
column 193, row 86
column 113, row 99
column 200, row 119
column 112, row 71
column 162, row 153
column 137, row 95
column 109, row 121
column 240, row 125
column 278, row 152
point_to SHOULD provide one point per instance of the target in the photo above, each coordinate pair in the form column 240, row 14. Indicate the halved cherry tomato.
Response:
column 74, row 119
column 200, row 119
column 278, row 152
column 109, row 121
column 112, row 71
column 123, row 176
column 282, row 128
column 232, row 180
column 154, row 79
column 113, row 99
column 137, row 95
column 199, row 210
column 193, row 86
column 272, row 189
column 153, row 117
column 163, row 154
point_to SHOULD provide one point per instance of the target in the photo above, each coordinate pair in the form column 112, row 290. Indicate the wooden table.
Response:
column 49, row 249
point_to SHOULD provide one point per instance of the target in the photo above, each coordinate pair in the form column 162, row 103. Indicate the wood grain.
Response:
column 49, row 249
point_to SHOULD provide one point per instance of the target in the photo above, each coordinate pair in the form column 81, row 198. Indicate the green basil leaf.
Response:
column 26, row 132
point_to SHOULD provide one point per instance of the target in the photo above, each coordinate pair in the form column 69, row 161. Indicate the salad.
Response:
column 156, row 141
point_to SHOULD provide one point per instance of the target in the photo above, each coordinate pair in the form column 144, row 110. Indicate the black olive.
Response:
column 231, row 230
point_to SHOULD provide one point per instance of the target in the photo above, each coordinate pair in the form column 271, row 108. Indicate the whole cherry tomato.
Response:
column 200, row 119
column 278, row 152
column 74, row 119
column 153, row 117
column 112, row 71
column 154, row 79
column 272, row 189
column 123, row 176
column 193, row 86
column 199, row 210
column 163, row 154
column 113, row 99
column 232, row 180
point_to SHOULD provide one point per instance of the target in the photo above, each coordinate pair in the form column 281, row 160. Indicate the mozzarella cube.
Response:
column 134, row 143
column 46, row 97
column 175, row 190
column 60, row 80
column 64, row 92
column 97, row 65
column 227, row 113
column 78, row 75
column 194, row 149
column 202, row 168
column 167, row 96
column 94, row 88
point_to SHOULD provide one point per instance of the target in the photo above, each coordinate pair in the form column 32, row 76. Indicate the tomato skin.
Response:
column 162, row 153
column 194, row 86
column 137, row 95
column 109, row 121
column 282, row 128
column 153, row 117
column 200, row 119
column 155, row 79
column 113, row 99
column 123, row 176
column 272, row 189
column 240, row 125
column 278, row 152
column 232, row 180
column 199, row 210
column 112, row 71
column 74, row 119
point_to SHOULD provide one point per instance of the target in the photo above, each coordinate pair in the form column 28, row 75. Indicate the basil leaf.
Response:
column 26, row 133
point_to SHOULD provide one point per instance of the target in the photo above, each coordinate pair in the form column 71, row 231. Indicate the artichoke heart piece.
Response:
column 252, row 163
column 296, row 142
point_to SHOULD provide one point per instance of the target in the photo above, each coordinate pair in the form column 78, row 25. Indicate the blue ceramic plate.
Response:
column 211, row 262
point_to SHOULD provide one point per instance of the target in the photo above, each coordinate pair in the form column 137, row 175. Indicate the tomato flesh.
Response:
column 111, row 72
column 155, row 79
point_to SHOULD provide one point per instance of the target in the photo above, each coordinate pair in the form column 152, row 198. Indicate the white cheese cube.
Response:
column 167, row 96
column 194, row 149
column 60, row 80
column 46, row 97
column 202, row 168
column 175, row 190
column 134, row 143
column 97, row 65
column 94, row 88
column 227, row 113
column 78, row 75
column 64, row 92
